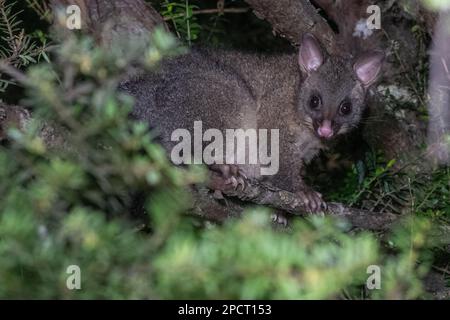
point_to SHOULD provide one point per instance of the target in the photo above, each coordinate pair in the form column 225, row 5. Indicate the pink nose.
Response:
column 325, row 130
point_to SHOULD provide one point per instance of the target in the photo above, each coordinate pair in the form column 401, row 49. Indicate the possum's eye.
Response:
column 346, row 108
column 315, row 102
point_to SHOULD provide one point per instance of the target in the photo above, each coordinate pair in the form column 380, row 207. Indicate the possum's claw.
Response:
column 232, row 176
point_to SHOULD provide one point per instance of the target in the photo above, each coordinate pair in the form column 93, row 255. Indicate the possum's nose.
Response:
column 325, row 130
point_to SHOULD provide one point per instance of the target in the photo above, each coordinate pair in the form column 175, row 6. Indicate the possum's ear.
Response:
column 310, row 56
column 367, row 68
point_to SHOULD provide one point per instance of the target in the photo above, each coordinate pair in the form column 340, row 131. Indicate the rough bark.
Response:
column 115, row 20
column 439, row 92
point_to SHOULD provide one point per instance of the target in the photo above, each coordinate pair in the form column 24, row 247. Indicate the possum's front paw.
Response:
column 312, row 199
column 226, row 177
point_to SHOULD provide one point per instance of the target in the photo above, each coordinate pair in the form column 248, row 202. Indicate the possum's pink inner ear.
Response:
column 310, row 56
column 368, row 67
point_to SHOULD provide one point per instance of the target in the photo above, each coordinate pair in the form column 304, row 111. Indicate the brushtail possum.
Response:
column 310, row 97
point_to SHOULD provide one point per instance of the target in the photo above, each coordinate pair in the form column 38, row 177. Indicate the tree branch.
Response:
column 114, row 20
column 205, row 205
column 264, row 194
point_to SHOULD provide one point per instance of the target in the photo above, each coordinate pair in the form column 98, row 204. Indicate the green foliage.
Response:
column 374, row 184
column 104, row 196
column 210, row 24
column 433, row 199
column 56, row 198
column 35, row 256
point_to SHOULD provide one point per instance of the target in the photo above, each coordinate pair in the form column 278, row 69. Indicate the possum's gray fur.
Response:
column 229, row 89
